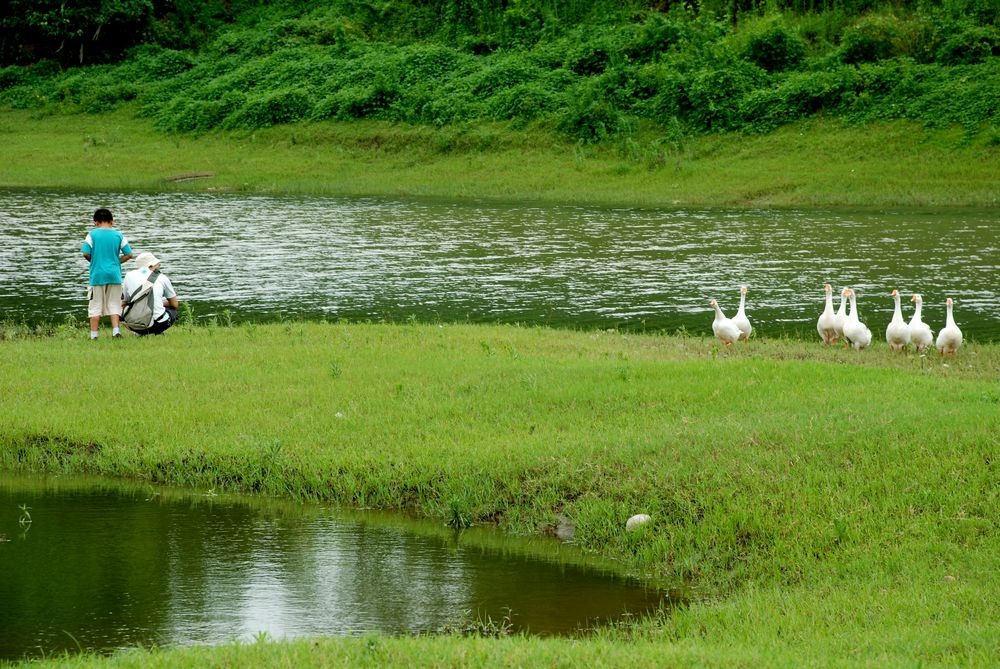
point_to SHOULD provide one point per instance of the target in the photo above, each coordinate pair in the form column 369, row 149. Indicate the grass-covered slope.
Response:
column 813, row 163
column 825, row 505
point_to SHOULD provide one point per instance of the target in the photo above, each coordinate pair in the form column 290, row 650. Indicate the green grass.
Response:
column 828, row 507
column 815, row 163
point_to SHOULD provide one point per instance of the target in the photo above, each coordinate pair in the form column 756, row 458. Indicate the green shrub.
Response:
column 822, row 30
column 629, row 87
column 714, row 95
column 272, row 108
column 457, row 107
column 324, row 29
column 775, row 48
column 522, row 26
column 671, row 99
column 244, row 41
column 981, row 12
column 523, row 102
column 973, row 44
column 589, row 118
column 196, row 115
column 423, row 63
column 152, row 62
column 28, row 96
column 871, row 39
column 12, row 76
column 967, row 95
column 592, row 51
column 502, row 74
column 658, row 34
column 368, row 101
column 799, row 96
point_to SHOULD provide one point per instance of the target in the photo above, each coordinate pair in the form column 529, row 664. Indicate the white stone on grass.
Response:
column 636, row 520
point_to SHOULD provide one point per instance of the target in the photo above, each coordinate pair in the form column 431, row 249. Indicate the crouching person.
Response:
column 150, row 299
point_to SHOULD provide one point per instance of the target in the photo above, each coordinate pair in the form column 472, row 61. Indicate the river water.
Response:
column 104, row 565
column 262, row 258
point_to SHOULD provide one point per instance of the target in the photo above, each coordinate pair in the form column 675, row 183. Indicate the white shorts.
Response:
column 104, row 300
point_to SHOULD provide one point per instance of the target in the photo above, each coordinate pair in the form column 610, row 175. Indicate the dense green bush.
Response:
column 272, row 108
column 714, row 95
column 971, row 44
column 523, row 102
column 152, row 62
column 371, row 101
column 658, row 34
column 12, row 76
column 871, row 39
column 589, row 118
column 775, row 48
column 502, row 73
column 800, row 95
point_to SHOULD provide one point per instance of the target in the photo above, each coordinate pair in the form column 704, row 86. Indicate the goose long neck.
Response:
column 854, row 307
column 743, row 300
column 843, row 304
column 918, row 311
column 898, row 312
column 950, row 321
column 829, row 300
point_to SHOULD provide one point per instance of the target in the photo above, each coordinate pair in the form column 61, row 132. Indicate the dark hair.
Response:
column 103, row 216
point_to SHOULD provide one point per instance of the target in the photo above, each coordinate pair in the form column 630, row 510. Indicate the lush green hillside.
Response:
column 589, row 71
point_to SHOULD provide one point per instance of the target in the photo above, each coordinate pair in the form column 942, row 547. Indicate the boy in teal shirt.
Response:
column 106, row 249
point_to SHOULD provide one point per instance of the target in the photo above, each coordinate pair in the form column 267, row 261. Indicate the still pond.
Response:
column 100, row 565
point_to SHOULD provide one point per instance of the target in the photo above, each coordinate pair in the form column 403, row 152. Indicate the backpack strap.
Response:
column 153, row 276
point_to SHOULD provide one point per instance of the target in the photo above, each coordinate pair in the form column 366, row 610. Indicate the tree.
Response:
column 71, row 31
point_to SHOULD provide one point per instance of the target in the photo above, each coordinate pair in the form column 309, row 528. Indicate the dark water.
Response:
column 109, row 566
column 268, row 257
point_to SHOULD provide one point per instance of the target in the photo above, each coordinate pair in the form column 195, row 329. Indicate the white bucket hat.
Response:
column 145, row 259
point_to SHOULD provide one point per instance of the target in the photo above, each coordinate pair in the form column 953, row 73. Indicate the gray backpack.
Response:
column 137, row 315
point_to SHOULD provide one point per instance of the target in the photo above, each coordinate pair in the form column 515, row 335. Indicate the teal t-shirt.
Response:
column 104, row 246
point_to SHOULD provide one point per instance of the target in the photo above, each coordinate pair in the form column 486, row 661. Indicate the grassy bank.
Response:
column 814, row 163
column 829, row 507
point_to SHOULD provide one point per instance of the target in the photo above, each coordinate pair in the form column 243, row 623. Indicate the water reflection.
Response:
column 112, row 567
column 373, row 259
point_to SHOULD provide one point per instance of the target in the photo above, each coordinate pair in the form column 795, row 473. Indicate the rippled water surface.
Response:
column 261, row 257
column 109, row 566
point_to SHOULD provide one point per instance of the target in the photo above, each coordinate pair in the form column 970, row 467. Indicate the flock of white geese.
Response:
column 845, row 323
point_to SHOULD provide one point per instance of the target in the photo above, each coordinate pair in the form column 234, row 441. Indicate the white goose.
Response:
column 950, row 337
column 724, row 328
column 841, row 317
column 741, row 320
column 826, row 326
column 856, row 331
column 897, row 333
column 920, row 333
